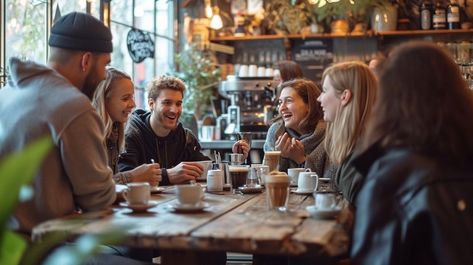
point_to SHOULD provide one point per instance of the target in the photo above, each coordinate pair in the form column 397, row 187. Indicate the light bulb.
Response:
column 216, row 22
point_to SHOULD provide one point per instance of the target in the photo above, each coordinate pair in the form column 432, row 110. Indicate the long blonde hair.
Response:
column 345, row 131
column 104, row 91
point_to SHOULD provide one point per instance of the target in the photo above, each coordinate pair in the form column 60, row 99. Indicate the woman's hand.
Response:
column 290, row 148
column 150, row 173
column 241, row 147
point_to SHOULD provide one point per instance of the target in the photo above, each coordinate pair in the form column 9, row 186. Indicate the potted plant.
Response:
column 384, row 15
column 335, row 14
column 288, row 17
column 199, row 70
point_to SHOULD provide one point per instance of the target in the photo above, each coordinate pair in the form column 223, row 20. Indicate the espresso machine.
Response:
column 250, row 99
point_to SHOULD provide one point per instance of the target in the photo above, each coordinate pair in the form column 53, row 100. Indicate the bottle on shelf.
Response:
column 453, row 15
column 439, row 17
column 426, row 15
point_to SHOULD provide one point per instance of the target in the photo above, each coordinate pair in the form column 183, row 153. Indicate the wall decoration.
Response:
column 140, row 45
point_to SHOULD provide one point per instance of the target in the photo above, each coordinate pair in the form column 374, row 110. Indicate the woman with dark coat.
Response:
column 415, row 205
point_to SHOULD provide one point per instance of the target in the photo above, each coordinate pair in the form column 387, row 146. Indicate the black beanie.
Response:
column 80, row 31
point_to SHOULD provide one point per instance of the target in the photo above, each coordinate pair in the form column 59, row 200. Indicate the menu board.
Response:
column 140, row 45
column 313, row 56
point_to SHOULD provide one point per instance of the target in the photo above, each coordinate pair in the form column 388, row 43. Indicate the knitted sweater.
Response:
column 316, row 157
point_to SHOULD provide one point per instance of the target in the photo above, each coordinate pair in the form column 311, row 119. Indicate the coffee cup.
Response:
column 268, row 72
column 325, row 200
column 252, row 70
column 206, row 164
column 294, row 174
column 271, row 159
column 189, row 194
column 307, row 181
column 137, row 193
column 238, row 175
column 215, row 180
column 261, row 71
column 243, row 71
column 277, row 189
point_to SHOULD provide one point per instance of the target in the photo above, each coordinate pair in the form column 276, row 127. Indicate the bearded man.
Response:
column 54, row 101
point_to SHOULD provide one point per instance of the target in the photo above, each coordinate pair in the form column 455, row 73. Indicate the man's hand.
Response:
column 241, row 147
column 290, row 148
column 184, row 172
column 150, row 173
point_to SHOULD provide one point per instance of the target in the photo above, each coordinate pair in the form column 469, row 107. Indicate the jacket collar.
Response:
column 365, row 159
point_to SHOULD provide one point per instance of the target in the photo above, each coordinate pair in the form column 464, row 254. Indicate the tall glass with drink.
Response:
column 277, row 190
column 238, row 175
column 271, row 159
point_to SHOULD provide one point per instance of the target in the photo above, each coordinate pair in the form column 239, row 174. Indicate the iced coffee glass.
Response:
column 277, row 190
column 271, row 159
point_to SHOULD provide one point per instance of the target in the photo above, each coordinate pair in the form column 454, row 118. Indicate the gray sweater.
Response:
column 317, row 159
column 39, row 102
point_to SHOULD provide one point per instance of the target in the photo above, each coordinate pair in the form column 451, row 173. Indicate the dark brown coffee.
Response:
column 238, row 176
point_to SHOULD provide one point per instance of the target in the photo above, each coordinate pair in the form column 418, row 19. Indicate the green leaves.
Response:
column 17, row 170
column 12, row 247
column 197, row 68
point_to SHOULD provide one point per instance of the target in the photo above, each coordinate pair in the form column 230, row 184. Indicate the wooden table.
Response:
column 232, row 222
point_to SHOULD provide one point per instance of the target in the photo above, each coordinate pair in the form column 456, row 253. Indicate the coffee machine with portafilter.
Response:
column 249, row 99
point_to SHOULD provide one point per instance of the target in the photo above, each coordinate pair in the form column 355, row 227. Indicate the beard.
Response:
column 91, row 83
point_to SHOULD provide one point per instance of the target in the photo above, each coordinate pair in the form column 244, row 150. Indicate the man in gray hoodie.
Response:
column 54, row 101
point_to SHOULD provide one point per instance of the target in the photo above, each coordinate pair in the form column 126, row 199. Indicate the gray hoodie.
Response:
column 36, row 102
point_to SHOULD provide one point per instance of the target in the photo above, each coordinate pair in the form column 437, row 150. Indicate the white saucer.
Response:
column 323, row 213
column 302, row 192
column 139, row 207
column 187, row 208
column 157, row 189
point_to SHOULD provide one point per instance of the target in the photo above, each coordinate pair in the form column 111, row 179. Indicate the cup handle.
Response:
column 316, row 179
column 125, row 194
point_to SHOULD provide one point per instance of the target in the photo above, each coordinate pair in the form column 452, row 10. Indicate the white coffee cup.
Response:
column 252, row 70
column 307, row 181
column 137, row 193
column 189, row 194
column 268, row 72
column 325, row 200
column 206, row 164
column 294, row 174
column 261, row 70
column 243, row 71
column 215, row 180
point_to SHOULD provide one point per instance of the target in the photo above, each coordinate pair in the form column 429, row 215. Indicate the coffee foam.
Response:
column 279, row 178
column 238, row 169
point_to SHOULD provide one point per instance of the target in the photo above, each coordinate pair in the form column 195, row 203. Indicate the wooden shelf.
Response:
column 368, row 34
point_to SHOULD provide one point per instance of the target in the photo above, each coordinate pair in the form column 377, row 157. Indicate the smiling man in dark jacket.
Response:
column 159, row 135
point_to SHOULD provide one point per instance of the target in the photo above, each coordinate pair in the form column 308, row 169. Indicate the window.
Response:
column 25, row 25
column 154, row 18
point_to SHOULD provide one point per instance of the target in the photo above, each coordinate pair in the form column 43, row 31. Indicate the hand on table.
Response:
column 290, row 148
column 150, row 173
column 241, row 147
column 184, row 172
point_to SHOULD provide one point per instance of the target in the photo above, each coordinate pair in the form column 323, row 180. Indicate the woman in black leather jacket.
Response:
column 416, row 203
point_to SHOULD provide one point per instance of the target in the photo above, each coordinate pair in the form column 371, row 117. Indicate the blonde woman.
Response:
column 349, row 91
column 114, row 101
